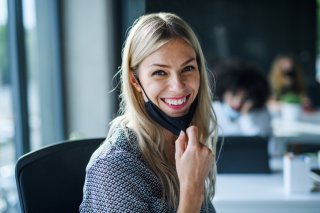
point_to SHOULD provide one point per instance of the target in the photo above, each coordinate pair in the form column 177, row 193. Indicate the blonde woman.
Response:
column 286, row 76
column 158, row 155
column 287, row 83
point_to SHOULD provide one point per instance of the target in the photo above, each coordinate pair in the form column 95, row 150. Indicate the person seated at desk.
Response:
column 159, row 153
column 242, row 91
column 287, row 84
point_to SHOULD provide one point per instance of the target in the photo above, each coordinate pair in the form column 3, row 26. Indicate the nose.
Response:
column 176, row 82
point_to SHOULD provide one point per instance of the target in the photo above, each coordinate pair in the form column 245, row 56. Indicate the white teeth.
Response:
column 176, row 101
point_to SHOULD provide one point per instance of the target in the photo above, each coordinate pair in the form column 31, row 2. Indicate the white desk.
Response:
column 260, row 194
column 306, row 128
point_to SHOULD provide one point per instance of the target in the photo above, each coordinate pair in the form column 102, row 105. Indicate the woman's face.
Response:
column 286, row 64
column 235, row 100
column 170, row 77
column 287, row 71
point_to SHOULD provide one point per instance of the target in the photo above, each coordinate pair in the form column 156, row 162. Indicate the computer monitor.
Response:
column 242, row 154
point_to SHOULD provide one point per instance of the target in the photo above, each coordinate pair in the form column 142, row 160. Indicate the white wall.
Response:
column 88, row 66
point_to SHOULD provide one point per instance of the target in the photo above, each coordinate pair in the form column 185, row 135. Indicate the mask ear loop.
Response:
column 138, row 81
column 161, row 114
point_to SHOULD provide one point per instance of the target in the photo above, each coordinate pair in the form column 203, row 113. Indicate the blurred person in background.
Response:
column 287, row 83
column 242, row 91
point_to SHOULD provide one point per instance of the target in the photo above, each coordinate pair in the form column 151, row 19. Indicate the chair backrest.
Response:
column 51, row 179
column 242, row 154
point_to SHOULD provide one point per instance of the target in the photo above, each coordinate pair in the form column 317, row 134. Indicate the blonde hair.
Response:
column 277, row 77
column 147, row 35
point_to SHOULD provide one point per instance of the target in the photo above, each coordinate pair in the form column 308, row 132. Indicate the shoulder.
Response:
column 216, row 103
column 119, row 156
column 217, row 106
column 117, row 177
column 122, row 143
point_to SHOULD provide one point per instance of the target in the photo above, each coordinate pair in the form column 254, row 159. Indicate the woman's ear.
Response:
column 134, row 81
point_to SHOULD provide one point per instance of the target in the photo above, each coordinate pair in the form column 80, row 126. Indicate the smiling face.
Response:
column 170, row 77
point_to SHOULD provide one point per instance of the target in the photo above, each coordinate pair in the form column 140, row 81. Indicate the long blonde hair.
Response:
column 277, row 77
column 147, row 35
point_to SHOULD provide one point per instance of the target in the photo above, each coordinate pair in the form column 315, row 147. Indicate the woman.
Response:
column 286, row 77
column 242, row 92
column 157, row 156
column 287, row 83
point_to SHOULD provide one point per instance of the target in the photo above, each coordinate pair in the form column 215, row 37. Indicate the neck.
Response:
column 170, row 139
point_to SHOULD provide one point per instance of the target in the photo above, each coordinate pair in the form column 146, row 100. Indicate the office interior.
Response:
column 58, row 65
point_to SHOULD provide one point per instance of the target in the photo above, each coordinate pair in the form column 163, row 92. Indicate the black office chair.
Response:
column 51, row 179
column 242, row 154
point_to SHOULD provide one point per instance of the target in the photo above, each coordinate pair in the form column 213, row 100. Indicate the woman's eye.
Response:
column 159, row 73
column 188, row 68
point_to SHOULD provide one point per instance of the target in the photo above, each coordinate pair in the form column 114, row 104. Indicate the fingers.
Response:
column 180, row 144
column 192, row 133
column 246, row 107
column 193, row 142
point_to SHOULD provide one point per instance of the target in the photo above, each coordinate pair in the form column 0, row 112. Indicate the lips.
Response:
column 176, row 103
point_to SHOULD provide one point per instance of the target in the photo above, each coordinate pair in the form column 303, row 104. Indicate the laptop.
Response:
column 242, row 154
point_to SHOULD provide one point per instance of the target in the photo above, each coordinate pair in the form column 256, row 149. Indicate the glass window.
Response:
column 318, row 43
column 8, row 196
column 44, row 96
column 30, row 27
column 42, row 57
column 6, row 109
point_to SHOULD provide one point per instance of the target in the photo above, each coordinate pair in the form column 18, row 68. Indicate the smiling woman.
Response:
column 152, row 159
column 170, row 77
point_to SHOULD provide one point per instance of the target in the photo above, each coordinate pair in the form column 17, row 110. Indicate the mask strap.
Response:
column 137, row 79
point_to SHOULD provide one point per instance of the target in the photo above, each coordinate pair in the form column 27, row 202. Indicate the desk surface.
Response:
column 260, row 193
column 307, row 127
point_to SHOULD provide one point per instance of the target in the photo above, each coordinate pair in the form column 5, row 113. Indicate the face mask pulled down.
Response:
column 173, row 124
column 232, row 114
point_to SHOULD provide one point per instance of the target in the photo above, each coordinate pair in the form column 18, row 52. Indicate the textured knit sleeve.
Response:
column 117, row 183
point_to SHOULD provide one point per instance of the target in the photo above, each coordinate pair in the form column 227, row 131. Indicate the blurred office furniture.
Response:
column 263, row 193
column 306, row 127
column 51, row 179
column 302, row 133
column 242, row 154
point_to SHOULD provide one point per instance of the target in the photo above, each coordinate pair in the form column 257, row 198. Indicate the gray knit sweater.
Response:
column 118, row 179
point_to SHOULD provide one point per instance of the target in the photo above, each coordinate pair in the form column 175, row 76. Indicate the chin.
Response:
column 177, row 114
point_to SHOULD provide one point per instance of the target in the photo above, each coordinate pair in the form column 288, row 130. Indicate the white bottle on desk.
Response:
column 296, row 171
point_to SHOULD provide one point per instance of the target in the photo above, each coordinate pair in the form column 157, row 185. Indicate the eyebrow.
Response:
column 163, row 65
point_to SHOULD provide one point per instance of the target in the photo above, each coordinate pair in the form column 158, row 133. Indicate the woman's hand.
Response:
column 246, row 107
column 193, row 163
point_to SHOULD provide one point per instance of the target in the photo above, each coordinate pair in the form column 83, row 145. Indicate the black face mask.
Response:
column 290, row 73
column 173, row 124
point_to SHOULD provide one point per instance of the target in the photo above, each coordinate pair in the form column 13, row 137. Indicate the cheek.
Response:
column 194, row 83
column 228, row 101
column 227, row 98
column 153, row 91
column 195, row 87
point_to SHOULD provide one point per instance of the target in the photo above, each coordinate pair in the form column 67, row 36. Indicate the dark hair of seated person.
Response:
column 235, row 75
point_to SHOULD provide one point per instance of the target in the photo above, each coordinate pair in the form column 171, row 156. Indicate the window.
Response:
column 45, row 99
column 31, row 91
column 318, row 43
column 6, row 109
column 8, row 198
